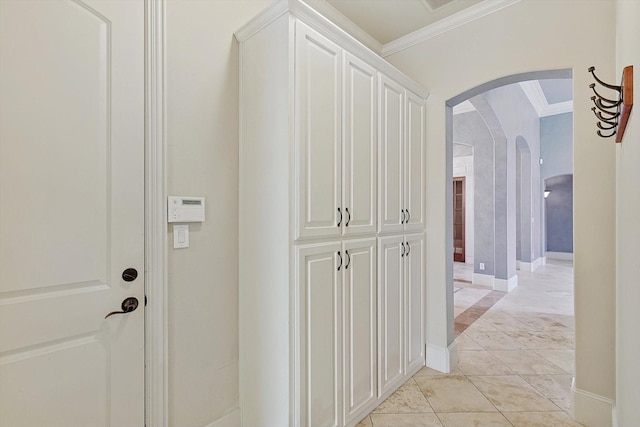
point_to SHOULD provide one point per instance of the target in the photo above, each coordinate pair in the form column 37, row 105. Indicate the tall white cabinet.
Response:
column 331, row 216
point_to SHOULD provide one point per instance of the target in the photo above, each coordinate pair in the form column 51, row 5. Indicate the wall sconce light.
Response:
column 546, row 193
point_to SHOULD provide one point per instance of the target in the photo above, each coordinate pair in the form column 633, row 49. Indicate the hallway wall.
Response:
column 451, row 63
column 628, row 225
column 202, row 160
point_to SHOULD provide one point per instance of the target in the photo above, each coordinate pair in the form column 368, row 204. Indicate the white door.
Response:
column 415, row 163
column 414, row 285
column 391, row 175
column 359, row 291
column 318, row 135
column 359, row 148
column 390, row 313
column 71, row 212
column 320, row 315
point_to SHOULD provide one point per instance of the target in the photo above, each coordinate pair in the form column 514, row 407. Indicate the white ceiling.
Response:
column 388, row 20
column 381, row 23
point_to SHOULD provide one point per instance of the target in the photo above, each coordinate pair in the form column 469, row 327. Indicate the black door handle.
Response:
column 340, row 220
column 346, row 267
column 402, row 249
column 348, row 217
column 128, row 305
column 339, row 256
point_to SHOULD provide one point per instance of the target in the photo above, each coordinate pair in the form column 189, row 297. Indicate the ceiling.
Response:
column 388, row 20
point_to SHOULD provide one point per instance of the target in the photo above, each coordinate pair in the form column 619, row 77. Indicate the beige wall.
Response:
column 628, row 227
column 522, row 38
column 202, row 128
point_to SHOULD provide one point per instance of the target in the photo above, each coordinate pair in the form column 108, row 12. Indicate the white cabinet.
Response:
column 336, row 139
column 312, row 119
column 319, row 289
column 390, row 313
column 401, row 293
column 318, row 134
column 336, row 290
column 359, row 325
column 414, row 303
column 360, row 146
column 402, row 159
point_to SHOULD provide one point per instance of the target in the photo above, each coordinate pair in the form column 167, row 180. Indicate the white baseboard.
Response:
column 529, row 266
column 564, row 256
column 483, row 279
column 443, row 359
column 232, row 419
column 505, row 285
column 591, row 409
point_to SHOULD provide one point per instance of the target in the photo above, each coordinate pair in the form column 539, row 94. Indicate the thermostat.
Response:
column 185, row 209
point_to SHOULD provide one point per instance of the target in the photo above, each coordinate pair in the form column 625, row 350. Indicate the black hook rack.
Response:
column 613, row 114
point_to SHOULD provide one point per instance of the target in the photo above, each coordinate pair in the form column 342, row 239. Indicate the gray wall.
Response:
column 470, row 129
column 556, row 152
column 556, row 145
column 520, row 122
column 559, row 214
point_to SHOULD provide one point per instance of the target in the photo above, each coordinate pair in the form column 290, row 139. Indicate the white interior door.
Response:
column 71, row 212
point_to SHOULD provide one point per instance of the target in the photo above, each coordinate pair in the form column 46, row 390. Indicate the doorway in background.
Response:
column 458, row 219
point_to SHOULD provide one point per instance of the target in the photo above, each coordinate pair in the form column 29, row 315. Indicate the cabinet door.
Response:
column 359, row 147
column 390, row 173
column 390, row 313
column 318, row 88
column 359, row 327
column 414, row 285
column 415, row 162
column 319, row 326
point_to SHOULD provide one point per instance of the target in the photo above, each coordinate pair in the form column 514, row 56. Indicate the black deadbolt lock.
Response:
column 130, row 274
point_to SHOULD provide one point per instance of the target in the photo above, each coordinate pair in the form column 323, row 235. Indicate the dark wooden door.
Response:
column 458, row 219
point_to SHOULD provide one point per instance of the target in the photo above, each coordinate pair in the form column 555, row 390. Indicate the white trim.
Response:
column 443, row 359
column 463, row 107
column 310, row 16
column 538, row 100
column 564, row 256
column 232, row 419
column 346, row 24
column 454, row 21
column 156, row 328
column 590, row 408
column 529, row 266
column 505, row 285
column 483, row 279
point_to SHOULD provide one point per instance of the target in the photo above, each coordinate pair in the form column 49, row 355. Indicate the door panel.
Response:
column 391, row 156
column 71, row 212
column 415, row 163
column 321, row 338
column 390, row 313
column 459, row 219
column 360, row 149
column 318, row 141
column 359, row 326
column 415, row 276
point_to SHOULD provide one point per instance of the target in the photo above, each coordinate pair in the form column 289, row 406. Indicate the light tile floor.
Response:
column 516, row 354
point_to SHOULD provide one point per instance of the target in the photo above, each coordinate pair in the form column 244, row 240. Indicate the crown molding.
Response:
column 463, row 107
column 534, row 92
column 454, row 21
column 346, row 24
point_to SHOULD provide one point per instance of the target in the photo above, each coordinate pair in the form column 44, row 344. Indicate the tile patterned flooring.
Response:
column 516, row 359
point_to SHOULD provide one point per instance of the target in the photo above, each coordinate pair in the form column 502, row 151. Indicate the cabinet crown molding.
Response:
column 310, row 16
